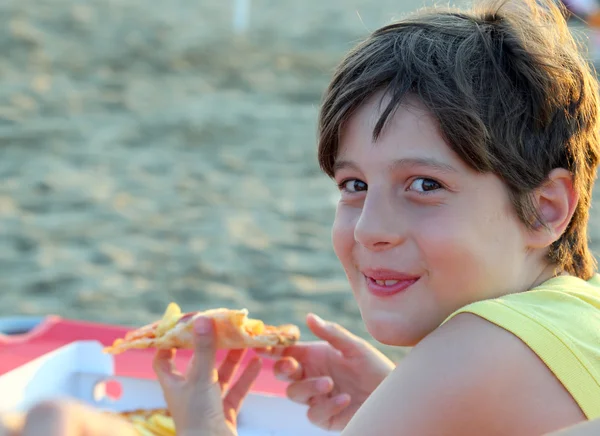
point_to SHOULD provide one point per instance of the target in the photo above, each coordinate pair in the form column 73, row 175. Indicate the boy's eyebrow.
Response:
column 423, row 162
column 400, row 163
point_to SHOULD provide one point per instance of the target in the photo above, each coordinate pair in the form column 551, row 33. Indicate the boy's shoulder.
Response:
column 474, row 377
column 557, row 322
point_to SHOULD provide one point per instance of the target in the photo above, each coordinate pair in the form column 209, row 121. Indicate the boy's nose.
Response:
column 380, row 226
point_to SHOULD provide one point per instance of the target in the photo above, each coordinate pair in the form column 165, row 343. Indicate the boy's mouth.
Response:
column 385, row 283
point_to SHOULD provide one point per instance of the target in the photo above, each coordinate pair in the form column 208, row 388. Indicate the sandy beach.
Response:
column 151, row 154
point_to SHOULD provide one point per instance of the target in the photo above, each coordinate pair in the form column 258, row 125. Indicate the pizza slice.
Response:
column 234, row 330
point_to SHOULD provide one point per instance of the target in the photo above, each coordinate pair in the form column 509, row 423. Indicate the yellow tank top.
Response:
column 560, row 321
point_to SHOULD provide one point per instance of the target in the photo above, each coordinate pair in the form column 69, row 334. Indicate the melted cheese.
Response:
column 254, row 327
column 169, row 319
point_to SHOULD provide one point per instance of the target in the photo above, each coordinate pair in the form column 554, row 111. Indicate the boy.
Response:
column 465, row 146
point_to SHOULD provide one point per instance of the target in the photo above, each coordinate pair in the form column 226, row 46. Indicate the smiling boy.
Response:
column 465, row 147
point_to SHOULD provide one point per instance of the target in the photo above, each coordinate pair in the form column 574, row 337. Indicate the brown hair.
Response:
column 509, row 89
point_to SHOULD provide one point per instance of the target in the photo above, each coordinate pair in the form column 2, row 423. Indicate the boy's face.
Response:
column 418, row 232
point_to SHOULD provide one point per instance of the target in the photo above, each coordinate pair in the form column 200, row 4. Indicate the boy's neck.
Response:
column 546, row 274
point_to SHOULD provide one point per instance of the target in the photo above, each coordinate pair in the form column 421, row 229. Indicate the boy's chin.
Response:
column 391, row 332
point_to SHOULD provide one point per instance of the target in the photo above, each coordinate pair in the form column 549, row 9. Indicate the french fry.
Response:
column 155, row 422
column 164, row 425
column 141, row 429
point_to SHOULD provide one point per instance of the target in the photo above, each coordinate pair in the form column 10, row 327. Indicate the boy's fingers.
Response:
column 202, row 366
column 266, row 351
column 164, row 366
column 339, row 338
column 288, row 369
column 322, row 411
column 275, row 352
column 231, row 416
column 229, row 366
column 301, row 351
column 241, row 387
column 302, row 391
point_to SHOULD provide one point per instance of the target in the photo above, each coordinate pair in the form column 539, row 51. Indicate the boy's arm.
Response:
column 469, row 377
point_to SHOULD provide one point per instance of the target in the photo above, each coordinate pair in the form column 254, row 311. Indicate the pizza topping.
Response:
column 170, row 318
column 186, row 317
column 254, row 327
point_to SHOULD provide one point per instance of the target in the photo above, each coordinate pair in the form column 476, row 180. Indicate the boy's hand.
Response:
column 200, row 401
column 66, row 418
column 333, row 377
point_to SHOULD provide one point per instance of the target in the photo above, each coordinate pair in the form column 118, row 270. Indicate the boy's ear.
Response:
column 556, row 201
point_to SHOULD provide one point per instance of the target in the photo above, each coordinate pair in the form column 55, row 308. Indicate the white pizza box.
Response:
column 82, row 371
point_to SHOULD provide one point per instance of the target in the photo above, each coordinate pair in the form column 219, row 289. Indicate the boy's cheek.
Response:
column 451, row 256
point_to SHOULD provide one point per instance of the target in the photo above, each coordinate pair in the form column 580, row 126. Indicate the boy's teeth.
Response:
column 386, row 282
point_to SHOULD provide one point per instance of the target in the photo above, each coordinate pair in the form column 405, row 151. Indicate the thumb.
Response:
column 202, row 367
column 341, row 339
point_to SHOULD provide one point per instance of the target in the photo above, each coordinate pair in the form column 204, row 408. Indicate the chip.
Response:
column 150, row 422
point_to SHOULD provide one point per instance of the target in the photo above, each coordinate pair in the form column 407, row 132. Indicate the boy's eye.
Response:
column 353, row 185
column 424, row 185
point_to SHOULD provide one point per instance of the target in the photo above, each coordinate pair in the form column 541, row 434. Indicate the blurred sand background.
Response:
column 149, row 155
